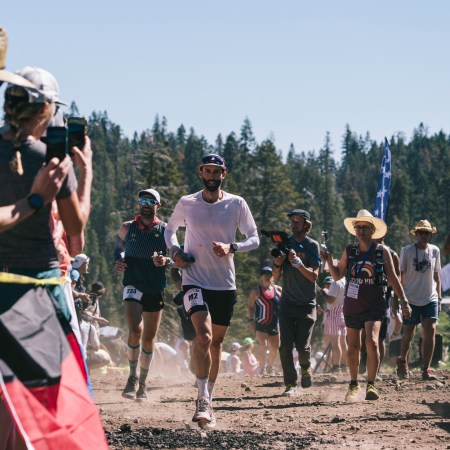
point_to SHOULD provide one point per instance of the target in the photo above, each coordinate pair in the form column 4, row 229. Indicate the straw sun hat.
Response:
column 423, row 225
column 365, row 216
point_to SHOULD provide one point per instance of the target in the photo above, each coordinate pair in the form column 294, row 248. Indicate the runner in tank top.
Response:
column 364, row 302
column 263, row 305
column 139, row 253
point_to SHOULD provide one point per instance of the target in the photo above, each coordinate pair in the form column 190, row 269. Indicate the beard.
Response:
column 211, row 185
column 148, row 213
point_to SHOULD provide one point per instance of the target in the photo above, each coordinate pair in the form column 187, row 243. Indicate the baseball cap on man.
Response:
column 151, row 192
column 300, row 213
column 80, row 260
column 235, row 346
column 213, row 160
column 40, row 84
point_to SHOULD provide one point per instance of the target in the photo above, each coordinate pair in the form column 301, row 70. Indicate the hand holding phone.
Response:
column 56, row 141
column 77, row 132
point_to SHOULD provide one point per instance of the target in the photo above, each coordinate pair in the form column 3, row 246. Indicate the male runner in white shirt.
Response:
column 211, row 217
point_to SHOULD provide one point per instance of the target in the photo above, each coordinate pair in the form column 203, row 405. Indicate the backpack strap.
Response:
column 380, row 276
column 352, row 253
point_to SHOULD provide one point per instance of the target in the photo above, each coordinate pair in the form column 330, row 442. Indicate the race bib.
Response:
column 130, row 292
column 353, row 289
column 193, row 297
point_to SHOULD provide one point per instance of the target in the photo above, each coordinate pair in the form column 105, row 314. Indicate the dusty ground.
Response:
column 251, row 414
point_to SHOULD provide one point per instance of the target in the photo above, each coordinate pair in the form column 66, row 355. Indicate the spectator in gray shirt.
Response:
column 300, row 268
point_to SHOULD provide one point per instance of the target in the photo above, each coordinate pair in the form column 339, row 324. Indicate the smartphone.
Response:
column 77, row 131
column 56, row 140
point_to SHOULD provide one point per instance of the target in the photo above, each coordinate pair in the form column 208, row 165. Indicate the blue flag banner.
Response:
column 384, row 184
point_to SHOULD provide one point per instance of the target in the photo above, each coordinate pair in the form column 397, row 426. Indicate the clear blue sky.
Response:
column 296, row 69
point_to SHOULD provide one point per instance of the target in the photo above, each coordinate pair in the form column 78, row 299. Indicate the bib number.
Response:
column 193, row 297
column 353, row 289
column 130, row 292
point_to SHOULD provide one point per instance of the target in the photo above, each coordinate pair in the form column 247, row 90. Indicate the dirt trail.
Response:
column 252, row 414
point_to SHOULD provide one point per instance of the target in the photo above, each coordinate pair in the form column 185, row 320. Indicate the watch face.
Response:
column 233, row 248
column 35, row 201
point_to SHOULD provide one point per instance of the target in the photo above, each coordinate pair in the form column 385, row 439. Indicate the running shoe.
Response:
column 428, row 375
column 306, row 377
column 289, row 391
column 202, row 410
column 402, row 369
column 352, row 393
column 209, row 425
column 141, row 395
column 130, row 388
column 371, row 392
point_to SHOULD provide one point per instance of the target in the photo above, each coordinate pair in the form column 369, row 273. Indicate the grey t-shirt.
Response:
column 28, row 245
column 297, row 290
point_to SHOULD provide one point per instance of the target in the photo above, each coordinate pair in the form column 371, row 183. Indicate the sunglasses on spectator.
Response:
column 423, row 232
column 362, row 227
column 147, row 201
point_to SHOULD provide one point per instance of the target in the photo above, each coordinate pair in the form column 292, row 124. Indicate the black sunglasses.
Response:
column 423, row 232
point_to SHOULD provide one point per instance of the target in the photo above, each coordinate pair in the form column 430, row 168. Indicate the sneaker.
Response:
column 402, row 369
column 371, row 392
column 130, row 388
column 289, row 391
column 141, row 395
column 352, row 393
column 428, row 375
column 209, row 425
column 306, row 377
column 269, row 370
column 202, row 410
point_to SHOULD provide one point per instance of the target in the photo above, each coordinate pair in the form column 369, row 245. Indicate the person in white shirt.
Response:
column 233, row 361
column 420, row 264
column 211, row 217
column 334, row 330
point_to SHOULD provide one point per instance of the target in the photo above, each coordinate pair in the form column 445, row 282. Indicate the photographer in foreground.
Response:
column 27, row 249
column 300, row 268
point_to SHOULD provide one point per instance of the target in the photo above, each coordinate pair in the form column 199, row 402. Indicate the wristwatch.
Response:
column 35, row 201
column 233, row 248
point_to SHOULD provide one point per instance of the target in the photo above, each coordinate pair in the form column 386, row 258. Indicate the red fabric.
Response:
column 75, row 346
column 75, row 424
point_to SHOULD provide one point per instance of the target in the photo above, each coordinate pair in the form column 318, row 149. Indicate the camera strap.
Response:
column 300, row 247
column 424, row 260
